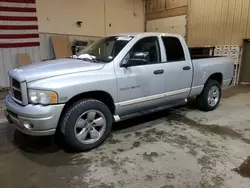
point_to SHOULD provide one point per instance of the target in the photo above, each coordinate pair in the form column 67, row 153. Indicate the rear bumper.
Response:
column 35, row 120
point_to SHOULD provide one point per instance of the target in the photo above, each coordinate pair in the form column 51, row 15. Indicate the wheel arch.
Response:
column 102, row 96
column 216, row 76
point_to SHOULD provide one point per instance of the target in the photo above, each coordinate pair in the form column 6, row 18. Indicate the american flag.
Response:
column 18, row 24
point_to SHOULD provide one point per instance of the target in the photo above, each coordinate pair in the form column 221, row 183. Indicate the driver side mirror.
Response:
column 138, row 58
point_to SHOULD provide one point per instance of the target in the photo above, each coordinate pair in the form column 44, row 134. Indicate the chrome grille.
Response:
column 16, row 90
column 16, row 84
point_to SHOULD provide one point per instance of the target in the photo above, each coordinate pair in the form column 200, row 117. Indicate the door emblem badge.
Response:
column 128, row 88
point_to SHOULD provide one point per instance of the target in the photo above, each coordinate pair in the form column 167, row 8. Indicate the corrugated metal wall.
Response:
column 218, row 22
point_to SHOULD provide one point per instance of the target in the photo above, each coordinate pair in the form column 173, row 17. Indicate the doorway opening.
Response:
column 245, row 63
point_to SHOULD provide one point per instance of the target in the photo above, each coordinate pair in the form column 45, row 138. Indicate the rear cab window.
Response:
column 173, row 49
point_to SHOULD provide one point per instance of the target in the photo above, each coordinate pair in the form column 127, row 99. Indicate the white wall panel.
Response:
column 2, row 71
column 43, row 47
column 176, row 25
column 28, row 50
column 21, row 50
column 36, row 54
column 13, row 52
column 7, row 63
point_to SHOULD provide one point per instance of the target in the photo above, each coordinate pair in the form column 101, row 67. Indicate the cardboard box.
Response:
column 61, row 46
column 23, row 59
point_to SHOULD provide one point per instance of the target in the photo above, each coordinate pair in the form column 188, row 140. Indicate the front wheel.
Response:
column 210, row 97
column 86, row 124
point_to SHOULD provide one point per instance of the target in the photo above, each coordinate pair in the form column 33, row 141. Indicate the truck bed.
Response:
column 206, row 66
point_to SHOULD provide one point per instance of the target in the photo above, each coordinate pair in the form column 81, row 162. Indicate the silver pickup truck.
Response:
column 113, row 79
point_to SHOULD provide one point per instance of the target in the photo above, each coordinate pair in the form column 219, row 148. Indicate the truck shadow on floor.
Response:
column 52, row 144
column 152, row 119
column 35, row 145
column 52, row 151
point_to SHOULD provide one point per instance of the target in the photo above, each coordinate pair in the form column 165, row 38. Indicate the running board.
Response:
column 118, row 118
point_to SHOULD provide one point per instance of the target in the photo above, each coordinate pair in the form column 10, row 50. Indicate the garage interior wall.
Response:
column 218, row 22
column 99, row 17
column 167, row 16
column 59, row 17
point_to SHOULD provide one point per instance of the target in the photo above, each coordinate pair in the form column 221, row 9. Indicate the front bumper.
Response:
column 43, row 120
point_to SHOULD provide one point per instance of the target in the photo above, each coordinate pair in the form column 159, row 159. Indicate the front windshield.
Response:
column 105, row 49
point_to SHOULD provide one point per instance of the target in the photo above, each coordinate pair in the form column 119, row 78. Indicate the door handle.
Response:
column 186, row 68
column 158, row 71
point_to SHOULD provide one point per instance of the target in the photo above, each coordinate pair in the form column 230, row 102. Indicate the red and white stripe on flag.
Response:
column 18, row 24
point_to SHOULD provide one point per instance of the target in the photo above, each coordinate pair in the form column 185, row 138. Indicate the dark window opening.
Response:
column 174, row 50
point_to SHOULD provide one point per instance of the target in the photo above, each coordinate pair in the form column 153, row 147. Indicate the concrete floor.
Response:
column 181, row 147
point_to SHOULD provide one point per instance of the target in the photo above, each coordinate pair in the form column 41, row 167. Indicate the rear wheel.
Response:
column 210, row 97
column 86, row 124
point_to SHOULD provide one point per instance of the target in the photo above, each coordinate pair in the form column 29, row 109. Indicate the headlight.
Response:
column 42, row 97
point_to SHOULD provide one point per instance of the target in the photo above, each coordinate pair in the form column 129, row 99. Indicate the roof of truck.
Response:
column 147, row 34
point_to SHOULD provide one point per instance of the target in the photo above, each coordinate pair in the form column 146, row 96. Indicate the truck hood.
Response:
column 53, row 68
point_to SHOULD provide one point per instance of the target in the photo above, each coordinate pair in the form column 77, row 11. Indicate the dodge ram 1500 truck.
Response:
column 113, row 79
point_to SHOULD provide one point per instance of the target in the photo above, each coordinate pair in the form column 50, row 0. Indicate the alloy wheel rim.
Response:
column 90, row 126
column 213, row 96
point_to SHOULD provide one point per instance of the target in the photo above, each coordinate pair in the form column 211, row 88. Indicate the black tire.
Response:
column 68, row 120
column 202, row 99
